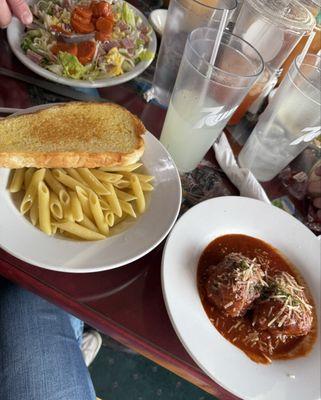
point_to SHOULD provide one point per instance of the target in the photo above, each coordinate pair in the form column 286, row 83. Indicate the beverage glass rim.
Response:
column 213, row 67
column 232, row 2
column 298, row 64
column 279, row 20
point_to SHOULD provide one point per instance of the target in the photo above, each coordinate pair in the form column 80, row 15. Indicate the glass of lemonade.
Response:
column 205, row 96
column 289, row 123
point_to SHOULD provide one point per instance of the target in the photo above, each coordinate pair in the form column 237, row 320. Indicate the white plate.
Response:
column 21, row 239
column 222, row 361
column 15, row 32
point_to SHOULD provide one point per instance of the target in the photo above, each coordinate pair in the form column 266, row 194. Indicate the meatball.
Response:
column 234, row 284
column 285, row 310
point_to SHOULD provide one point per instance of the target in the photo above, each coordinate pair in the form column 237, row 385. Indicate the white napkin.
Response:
column 242, row 178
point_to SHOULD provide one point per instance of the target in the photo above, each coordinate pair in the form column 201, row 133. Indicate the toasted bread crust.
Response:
column 68, row 159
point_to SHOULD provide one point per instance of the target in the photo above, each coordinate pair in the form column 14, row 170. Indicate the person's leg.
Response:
column 40, row 357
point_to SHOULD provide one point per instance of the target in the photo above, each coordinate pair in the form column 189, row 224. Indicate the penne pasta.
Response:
column 83, row 198
column 81, row 203
column 141, row 177
column 122, row 184
column 106, row 176
column 118, row 220
column 88, row 223
column 32, row 190
column 17, row 180
column 113, row 200
column 27, row 178
column 92, row 181
column 55, row 206
column 79, row 231
column 138, row 192
column 56, row 186
column 75, row 205
column 54, row 228
column 98, row 214
column 66, row 208
column 127, row 168
column 34, row 212
column 146, row 187
column 44, row 210
column 109, row 218
column 127, row 208
column 75, row 174
column 104, row 204
column 124, row 195
column 69, row 181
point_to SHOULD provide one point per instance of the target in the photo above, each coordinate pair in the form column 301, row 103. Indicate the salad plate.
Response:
column 231, row 368
column 127, row 52
column 135, row 239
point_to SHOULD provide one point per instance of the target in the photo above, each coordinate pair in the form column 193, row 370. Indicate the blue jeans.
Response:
column 40, row 357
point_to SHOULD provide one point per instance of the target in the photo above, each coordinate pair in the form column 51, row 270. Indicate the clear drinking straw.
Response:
column 306, row 48
column 215, row 49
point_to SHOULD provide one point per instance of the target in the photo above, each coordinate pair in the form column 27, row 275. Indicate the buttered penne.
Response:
column 109, row 218
column 113, row 200
column 127, row 168
column 141, row 177
column 122, row 184
column 127, row 208
column 83, row 198
column 43, row 206
column 79, row 231
column 69, row 181
column 137, row 190
column 75, row 174
column 106, row 176
column 98, row 214
column 17, row 180
column 88, row 223
column 81, row 203
column 56, row 186
column 31, row 191
column 34, row 212
column 75, row 205
column 66, row 208
column 146, row 187
column 104, row 204
column 124, row 195
column 27, row 178
column 92, row 181
column 55, row 206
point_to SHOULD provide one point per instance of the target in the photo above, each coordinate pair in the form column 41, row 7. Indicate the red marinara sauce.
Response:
column 261, row 347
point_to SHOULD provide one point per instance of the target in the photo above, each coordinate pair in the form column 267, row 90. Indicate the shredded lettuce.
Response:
column 27, row 42
column 128, row 15
column 146, row 55
column 72, row 68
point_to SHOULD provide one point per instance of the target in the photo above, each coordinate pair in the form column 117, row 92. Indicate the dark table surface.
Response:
column 127, row 303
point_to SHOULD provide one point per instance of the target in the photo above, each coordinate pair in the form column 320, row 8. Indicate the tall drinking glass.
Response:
column 291, row 120
column 273, row 27
column 205, row 96
column 182, row 17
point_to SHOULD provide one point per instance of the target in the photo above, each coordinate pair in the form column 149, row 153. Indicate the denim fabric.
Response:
column 40, row 357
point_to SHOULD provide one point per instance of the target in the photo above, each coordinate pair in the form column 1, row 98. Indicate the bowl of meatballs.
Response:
column 241, row 282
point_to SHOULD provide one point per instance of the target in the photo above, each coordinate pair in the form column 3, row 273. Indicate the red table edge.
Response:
column 113, row 330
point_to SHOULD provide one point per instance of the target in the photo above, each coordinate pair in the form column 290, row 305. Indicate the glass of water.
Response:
column 289, row 123
column 182, row 17
column 205, row 96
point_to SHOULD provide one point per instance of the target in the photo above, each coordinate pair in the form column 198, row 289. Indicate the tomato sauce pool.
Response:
column 261, row 347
